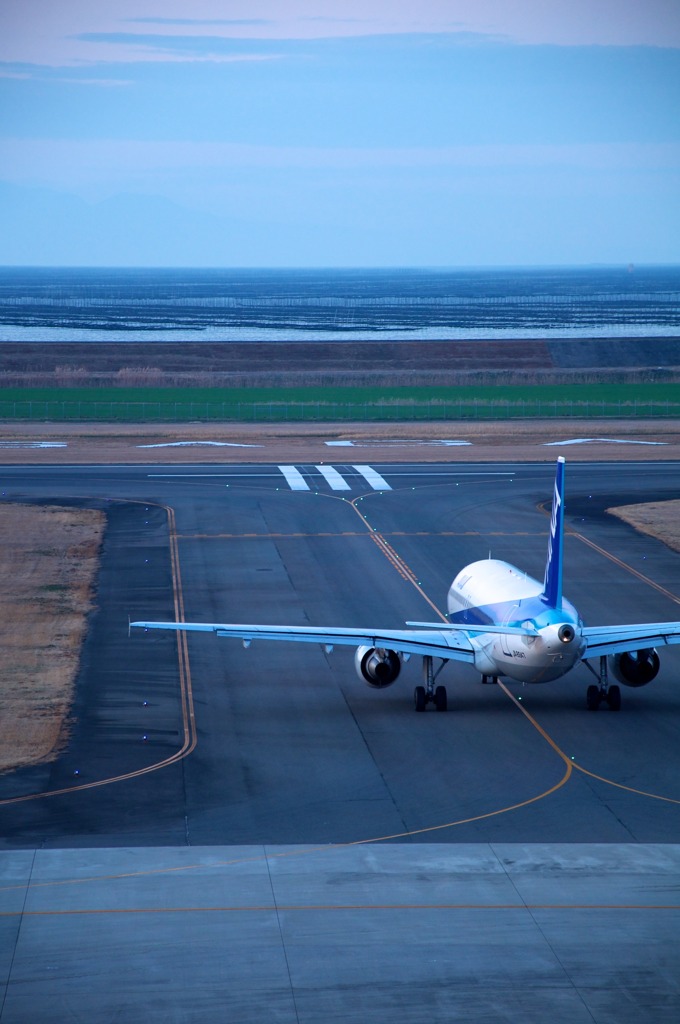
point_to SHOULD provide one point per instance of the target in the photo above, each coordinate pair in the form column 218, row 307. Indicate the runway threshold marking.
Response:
column 186, row 690
column 377, row 482
column 333, row 478
column 294, row 478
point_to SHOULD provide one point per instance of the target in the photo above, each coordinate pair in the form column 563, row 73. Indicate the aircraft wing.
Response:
column 445, row 643
column 617, row 639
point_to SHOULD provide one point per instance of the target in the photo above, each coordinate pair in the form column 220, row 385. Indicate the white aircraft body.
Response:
column 501, row 621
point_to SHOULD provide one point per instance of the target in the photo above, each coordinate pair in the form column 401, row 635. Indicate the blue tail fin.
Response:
column 552, row 584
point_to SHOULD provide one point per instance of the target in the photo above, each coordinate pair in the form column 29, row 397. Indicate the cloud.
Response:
column 134, row 47
column 370, row 122
column 229, row 22
column 64, row 76
column 375, row 93
column 43, row 32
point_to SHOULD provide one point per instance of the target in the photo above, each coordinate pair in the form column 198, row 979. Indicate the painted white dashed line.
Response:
column 294, row 478
column 374, row 478
column 336, row 481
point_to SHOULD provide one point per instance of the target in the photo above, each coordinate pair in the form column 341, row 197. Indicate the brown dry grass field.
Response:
column 660, row 519
column 295, row 364
column 49, row 555
column 48, row 564
column 490, row 441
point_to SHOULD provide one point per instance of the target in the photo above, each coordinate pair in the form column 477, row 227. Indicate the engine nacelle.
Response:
column 635, row 668
column 377, row 666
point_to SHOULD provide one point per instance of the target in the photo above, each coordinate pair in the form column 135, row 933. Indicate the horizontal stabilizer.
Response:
column 469, row 627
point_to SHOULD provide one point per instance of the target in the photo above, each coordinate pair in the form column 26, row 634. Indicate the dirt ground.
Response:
column 516, row 441
column 660, row 519
column 48, row 563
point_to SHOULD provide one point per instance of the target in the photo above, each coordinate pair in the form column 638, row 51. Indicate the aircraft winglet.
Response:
column 552, row 583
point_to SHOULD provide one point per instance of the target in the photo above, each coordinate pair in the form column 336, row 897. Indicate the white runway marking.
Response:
column 294, row 478
column 33, row 444
column 334, row 479
column 374, row 478
column 399, row 443
column 598, row 440
column 337, row 482
column 185, row 444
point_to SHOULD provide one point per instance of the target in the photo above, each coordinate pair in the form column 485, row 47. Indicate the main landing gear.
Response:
column 603, row 692
column 428, row 694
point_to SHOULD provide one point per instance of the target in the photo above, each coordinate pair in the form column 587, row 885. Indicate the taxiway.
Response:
column 203, row 745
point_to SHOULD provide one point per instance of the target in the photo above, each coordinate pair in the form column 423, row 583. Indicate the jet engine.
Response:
column 635, row 668
column 377, row 666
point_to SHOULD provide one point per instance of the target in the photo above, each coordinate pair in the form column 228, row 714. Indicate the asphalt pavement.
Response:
column 201, row 746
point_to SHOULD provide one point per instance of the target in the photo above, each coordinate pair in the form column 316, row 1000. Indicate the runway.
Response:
column 206, row 745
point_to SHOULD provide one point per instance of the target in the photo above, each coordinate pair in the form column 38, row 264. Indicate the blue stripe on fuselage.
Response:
column 529, row 609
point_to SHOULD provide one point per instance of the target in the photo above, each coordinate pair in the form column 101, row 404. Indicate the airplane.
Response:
column 499, row 620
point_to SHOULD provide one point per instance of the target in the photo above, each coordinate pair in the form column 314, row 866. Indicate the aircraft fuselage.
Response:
column 495, row 593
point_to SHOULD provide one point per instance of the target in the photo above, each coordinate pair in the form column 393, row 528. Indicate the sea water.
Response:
column 93, row 304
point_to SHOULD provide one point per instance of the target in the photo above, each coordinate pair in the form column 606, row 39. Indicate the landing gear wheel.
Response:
column 419, row 698
column 593, row 697
column 440, row 700
column 614, row 698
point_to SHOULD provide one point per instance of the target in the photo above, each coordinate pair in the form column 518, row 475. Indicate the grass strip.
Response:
column 318, row 404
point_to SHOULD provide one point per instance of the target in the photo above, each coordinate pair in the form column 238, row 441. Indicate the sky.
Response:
column 284, row 133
